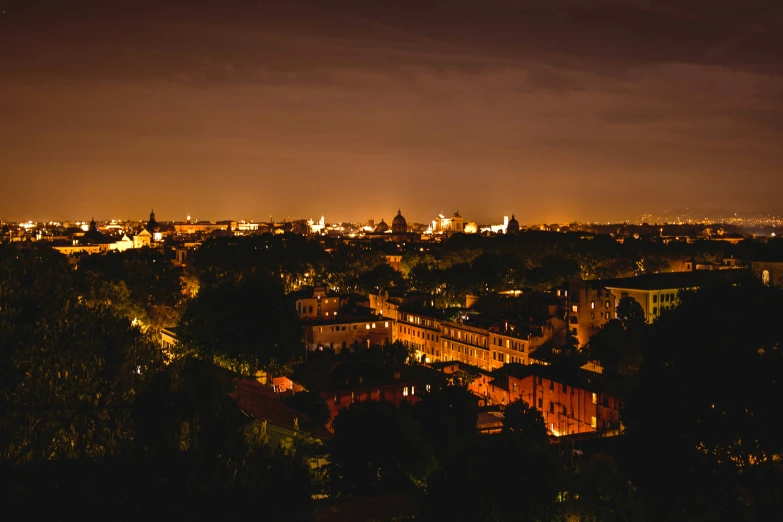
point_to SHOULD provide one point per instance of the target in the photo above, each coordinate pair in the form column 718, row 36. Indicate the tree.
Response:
column 397, row 353
column 311, row 404
column 552, row 271
column 494, row 473
column 246, row 325
column 68, row 372
column 631, row 313
column 382, row 277
column 706, row 406
column 617, row 348
column 377, row 448
column 524, row 420
column 448, row 419
column 599, row 491
column 142, row 283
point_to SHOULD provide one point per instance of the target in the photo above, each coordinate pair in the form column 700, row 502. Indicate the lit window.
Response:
column 373, row 325
column 574, row 308
column 427, row 387
column 595, row 400
column 593, row 422
column 386, row 324
column 367, row 326
column 413, row 390
column 592, row 305
column 405, row 392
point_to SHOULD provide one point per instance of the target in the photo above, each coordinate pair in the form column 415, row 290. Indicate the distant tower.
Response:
column 152, row 225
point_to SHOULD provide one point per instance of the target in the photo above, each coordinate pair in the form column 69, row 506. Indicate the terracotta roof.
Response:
column 262, row 403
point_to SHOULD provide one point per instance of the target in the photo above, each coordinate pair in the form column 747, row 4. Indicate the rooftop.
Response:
column 262, row 403
column 348, row 375
column 566, row 374
column 678, row 280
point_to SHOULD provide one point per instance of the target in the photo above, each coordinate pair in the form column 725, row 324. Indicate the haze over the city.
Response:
column 553, row 110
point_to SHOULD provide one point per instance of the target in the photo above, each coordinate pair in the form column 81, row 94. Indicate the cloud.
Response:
column 391, row 112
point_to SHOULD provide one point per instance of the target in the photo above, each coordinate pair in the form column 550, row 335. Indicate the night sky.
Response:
column 554, row 110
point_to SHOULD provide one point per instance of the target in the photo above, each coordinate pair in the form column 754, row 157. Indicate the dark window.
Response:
column 551, row 385
column 655, row 299
column 551, row 407
column 540, row 404
column 565, row 410
column 565, row 389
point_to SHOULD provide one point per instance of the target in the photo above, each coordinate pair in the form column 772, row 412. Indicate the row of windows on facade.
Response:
column 497, row 356
column 575, row 308
column 482, row 341
column 426, row 321
column 564, row 412
column 406, row 391
column 575, row 320
column 665, row 298
column 342, row 327
column 418, row 333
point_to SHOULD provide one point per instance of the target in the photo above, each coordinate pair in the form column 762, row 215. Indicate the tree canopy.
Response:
column 706, row 405
column 246, row 325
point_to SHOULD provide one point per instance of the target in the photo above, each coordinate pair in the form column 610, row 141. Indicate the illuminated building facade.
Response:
column 448, row 225
column 658, row 292
column 339, row 334
column 590, row 306
column 319, row 305
column 421, row 333
column 571, row 400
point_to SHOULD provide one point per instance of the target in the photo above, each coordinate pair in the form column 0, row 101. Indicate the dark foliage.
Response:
column 311, row 404
column 246, row 325
column 706, row 410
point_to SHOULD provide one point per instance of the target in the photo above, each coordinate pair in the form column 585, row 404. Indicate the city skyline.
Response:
column 670, row 217
column 553, row 111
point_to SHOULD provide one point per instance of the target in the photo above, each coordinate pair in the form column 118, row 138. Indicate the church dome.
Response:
column 513, row 225
column 382, row 227
column 399, row 225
